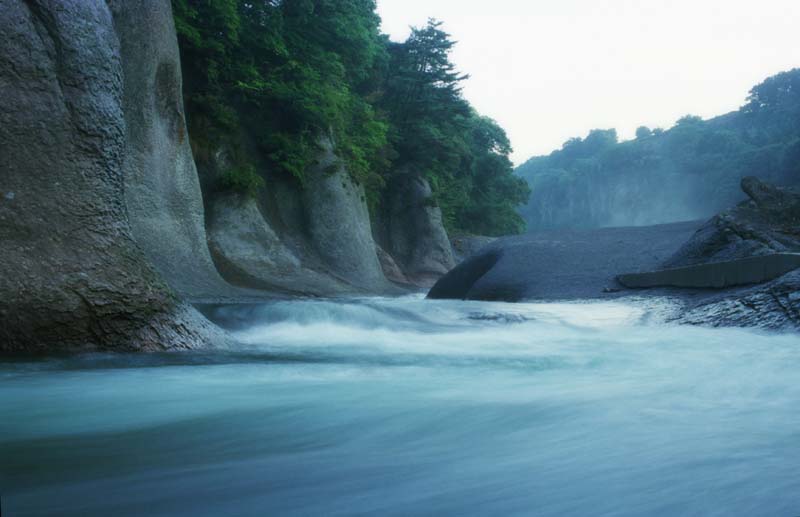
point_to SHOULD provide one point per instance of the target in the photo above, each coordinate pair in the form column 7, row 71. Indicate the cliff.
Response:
column 71, row 274
column 690, row 171
column 102, row 215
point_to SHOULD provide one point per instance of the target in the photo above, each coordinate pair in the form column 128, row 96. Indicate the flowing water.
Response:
column 414, row 407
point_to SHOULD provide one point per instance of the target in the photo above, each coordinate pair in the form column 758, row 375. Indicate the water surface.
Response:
column 407, row 406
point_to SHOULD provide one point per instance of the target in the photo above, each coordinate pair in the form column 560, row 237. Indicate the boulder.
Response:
column 411, row 230
column 162, row 190
column 767, row 223
column 464, row 246
column 561, row 264
column 71, row 274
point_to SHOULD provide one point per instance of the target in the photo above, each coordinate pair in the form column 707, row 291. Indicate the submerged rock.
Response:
column 71, row 275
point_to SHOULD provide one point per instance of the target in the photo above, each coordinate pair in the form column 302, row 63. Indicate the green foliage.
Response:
column 435, row 131
column 694, row 167
column 243, row 179
column 292, row 73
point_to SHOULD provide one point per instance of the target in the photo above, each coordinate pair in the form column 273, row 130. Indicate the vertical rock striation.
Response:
column 71, row 275
column 411, row 230
column 162, row 190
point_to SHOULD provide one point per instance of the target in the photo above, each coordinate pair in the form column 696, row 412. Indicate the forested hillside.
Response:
column 690, row 171
column 292, row 72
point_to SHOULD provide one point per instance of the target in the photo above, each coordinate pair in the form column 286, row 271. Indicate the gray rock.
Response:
column 391, row 270
column 768, row 223
column 412, row 232
column 339, row 224
column 561, row 264
column 771, row 306
column 162, row 190
column 249, row 253
column 311, row 239
column 465, row 246
column 71, row 275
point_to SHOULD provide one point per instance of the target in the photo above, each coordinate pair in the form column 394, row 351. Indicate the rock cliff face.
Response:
column 319, row 238
column 249, row 253
column 102, row 217
column 410, row 229
column 71, row 275
column 162, row 190
column 339, row 223
column 313, row 239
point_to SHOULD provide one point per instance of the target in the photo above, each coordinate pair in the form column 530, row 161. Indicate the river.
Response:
column 414, row 407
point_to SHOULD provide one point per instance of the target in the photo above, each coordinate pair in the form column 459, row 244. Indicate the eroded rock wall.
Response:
column 71, row 275
column 162, row 189
column 308, row 239
column 411, row 230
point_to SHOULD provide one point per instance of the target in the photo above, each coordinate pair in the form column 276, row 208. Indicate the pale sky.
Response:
column 548, row 70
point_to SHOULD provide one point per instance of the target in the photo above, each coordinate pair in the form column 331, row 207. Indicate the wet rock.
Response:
column 771, row 306
column 71, row 275
column 162, row 190
column 250, row 254
column 411, row 230
column 465, row 246
column 390, row 268
column 339, row 224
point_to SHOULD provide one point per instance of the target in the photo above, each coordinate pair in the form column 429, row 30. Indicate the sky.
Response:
column 549, row 70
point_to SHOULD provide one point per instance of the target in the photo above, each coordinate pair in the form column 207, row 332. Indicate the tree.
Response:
column 643, row 132
column 288, row 73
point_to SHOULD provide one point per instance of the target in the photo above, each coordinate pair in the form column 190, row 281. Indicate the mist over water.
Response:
column 408, row 406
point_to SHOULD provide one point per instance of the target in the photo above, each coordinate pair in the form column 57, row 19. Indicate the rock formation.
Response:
column 249, row 253
column 771, row 306
column 162, row 190
column 292, row 238
column 768, row 222
column 339, row 223
column 410, row 230
column 765, row 227
column 71, row 275
column 756, row 242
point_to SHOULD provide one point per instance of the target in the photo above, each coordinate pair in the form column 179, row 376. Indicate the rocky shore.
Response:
column 737, row 269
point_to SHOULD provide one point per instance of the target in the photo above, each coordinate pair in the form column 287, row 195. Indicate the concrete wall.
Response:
column 752, row 270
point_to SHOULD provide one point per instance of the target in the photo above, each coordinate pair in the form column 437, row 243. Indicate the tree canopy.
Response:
column 690, row 171
column 289, row 72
